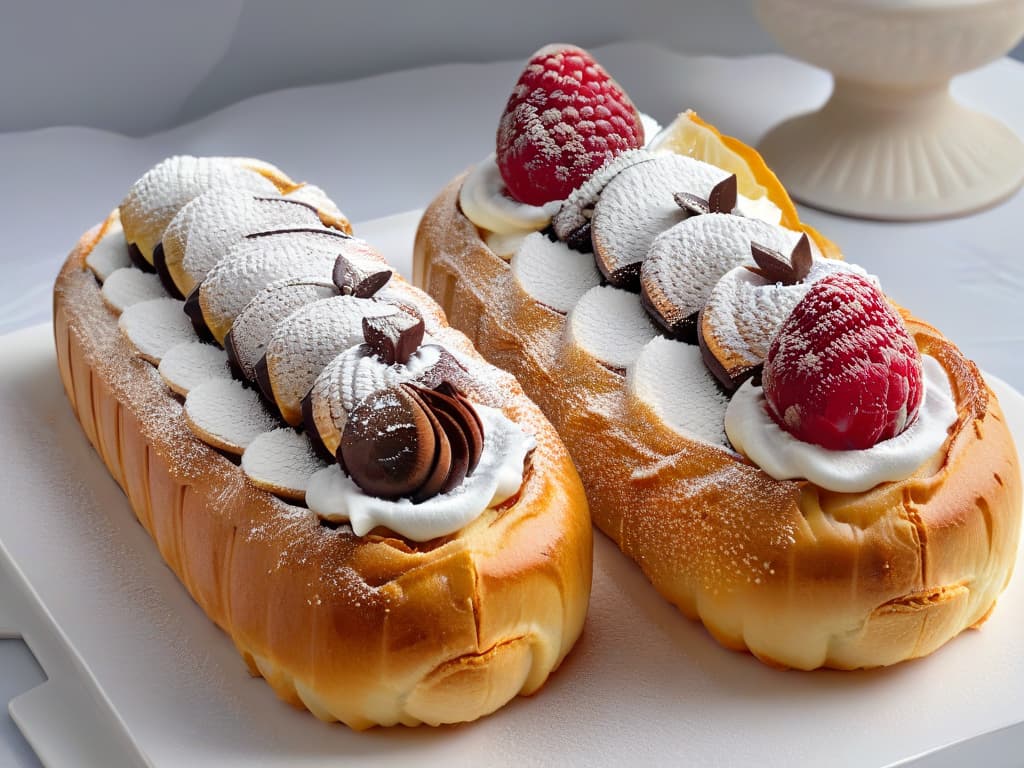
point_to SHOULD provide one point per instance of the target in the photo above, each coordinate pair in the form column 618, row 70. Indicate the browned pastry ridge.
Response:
column 798, row 575
column 371, row 630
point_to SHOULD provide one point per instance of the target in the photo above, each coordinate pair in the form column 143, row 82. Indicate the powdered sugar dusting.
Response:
column 126, row 286
column 110, row 253
column 249, row 266
column 227, row 415
column 313, row 195
column 256, row 324
column 577, row 209
column 188, row 365
column 204, row 230
column 155, row 326
column 162, row 191
column 670, row 377
column 552, row 273
column 308, row 339
column 637, row 205
column 610, row 325
column 686, row 262
column 281, row 461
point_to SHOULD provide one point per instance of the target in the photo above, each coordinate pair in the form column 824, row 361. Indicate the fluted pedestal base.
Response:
column 901, row 154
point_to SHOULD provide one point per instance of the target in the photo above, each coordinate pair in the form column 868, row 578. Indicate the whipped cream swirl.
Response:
column 753, row 432
column 332, row 495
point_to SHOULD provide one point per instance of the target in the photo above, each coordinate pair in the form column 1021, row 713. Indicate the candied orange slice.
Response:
column 689, row 135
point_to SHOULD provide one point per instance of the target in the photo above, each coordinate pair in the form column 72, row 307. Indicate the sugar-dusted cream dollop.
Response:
column 753, row 432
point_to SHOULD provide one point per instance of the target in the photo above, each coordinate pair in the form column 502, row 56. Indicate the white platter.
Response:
column 138, row 674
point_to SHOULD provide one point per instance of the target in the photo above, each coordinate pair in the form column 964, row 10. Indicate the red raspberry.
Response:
column 842, row 370
column 565, row 118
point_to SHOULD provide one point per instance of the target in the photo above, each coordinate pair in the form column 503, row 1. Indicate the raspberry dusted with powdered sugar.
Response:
column 565, row 118
column 842, row 370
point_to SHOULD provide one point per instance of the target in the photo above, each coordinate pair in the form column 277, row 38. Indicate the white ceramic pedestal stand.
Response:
column 891, row 143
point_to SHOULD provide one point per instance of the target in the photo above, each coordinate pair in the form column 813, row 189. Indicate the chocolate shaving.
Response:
column 395, row 337
column 722, row 198
column 777, row 268
column 692, row 204
column 359, row 278
column 724, row 194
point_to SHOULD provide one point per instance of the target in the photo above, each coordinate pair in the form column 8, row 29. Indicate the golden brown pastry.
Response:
column 377, row 628
column 799, row 575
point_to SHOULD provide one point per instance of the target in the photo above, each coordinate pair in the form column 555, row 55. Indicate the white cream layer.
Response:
column 487, row 204
column 333, row 496
column 753, row 432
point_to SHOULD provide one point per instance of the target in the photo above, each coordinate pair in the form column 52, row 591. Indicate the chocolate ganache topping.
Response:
column 408, row 441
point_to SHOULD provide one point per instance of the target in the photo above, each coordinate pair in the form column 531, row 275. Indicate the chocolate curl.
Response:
column 359, row 278
column 395, row 337
column 775, row 267
column 722, row 198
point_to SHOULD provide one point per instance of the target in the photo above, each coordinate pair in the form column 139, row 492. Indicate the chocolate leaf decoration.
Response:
column 723, row 196
column 777, row 268
column 721, row 200
column 692, row 204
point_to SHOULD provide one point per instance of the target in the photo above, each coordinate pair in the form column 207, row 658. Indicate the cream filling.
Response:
column 333, row 496
column 486, row 203
column 753, row 432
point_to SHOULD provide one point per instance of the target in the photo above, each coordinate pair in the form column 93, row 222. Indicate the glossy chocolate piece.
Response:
column 389, row 446
column 442, row 462
column 464, row 417
column 361, row 279
column 395, row 337
column 722, row 198
column 775, row 267
column 138, row 259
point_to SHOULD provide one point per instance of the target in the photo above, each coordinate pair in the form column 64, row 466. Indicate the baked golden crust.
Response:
column 371, row 630
column 800, row 576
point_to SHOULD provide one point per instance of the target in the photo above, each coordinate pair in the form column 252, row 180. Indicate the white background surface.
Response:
column 388, row 143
